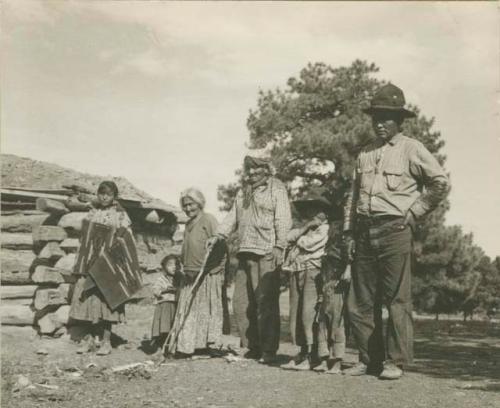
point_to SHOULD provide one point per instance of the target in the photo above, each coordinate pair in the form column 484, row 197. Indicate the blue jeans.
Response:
column 381, row 276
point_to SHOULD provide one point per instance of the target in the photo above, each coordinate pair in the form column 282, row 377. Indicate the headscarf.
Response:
column 195, row 195
column 252, row 162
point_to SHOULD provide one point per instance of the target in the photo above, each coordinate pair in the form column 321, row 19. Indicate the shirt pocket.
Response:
column 393, row 177
column 366, row 175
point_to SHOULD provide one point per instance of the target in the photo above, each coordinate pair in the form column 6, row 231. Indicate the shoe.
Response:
column 289, row 366
column 252, row 354
column 216, row 353
column 303, row 366
column 322, row 366
column 336, row 368
column 105, row 349
column 268, row 357
column 86, row 346
column 294, row 362
column 391, row 372
column 356, row 370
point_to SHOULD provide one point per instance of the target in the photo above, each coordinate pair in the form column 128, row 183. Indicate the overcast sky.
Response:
column 159, row 92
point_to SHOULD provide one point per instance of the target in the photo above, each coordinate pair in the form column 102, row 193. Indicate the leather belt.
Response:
column 364, row 221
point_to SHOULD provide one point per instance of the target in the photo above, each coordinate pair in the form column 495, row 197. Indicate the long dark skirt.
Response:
column 90, row 306
column 163, row 318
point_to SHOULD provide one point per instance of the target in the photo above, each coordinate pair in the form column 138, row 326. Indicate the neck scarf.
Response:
column 249, row 189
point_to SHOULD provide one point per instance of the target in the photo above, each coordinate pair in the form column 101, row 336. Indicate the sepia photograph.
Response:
column 221, row 204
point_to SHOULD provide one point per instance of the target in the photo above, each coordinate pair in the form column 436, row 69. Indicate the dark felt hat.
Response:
column 389, row 98
column 316, row 196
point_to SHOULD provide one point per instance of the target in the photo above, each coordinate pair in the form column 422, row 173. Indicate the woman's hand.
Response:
column 210, row 242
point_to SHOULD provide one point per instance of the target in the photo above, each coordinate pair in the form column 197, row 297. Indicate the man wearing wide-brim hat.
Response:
column 396, row 182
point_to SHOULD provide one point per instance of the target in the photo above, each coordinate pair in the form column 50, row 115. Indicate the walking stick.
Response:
column 346, row 278
column 180, row 318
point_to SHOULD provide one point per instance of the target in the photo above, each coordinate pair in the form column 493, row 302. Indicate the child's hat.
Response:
column 319, row 196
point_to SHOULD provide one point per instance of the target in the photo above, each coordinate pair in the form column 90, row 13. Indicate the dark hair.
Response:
column 170, row 257
column 108, row 185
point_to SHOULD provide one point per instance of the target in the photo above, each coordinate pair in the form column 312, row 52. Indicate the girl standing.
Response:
column 165, row 292
column 89, row 305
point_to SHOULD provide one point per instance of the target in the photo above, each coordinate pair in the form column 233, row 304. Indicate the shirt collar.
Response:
column 395, row 139
column 264, row 185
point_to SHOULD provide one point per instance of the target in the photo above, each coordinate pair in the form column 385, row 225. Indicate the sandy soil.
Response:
column 457, row 366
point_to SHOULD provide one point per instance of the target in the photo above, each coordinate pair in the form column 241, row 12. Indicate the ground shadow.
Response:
column 466, row 351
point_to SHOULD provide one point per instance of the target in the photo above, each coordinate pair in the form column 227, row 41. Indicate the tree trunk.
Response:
column 51, row 206
column 49, row 323
column 16, row 240
column 70, row 245
column 47, row 275
column 51, row 296
column 18, row 292
column 74, row 204
column 16, row 315
column 49, row 233
column 17, row 302
column 19, row 222
column 16, row 266
column 73, row 221
column 66, row 263
column 51, row 252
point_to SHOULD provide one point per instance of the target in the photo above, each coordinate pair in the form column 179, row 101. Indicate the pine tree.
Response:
column 313, row 130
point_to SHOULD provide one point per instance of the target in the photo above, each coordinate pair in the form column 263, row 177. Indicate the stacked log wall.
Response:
column 38, row 251
column 36, row 269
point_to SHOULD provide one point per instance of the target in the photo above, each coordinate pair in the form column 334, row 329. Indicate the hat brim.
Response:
column 323, row 203
column 401, row 111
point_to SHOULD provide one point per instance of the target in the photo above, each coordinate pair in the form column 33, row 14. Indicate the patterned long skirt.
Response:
column 203, row 320
column 91, row 306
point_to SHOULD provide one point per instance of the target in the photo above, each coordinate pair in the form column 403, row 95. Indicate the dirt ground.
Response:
column 457, row 365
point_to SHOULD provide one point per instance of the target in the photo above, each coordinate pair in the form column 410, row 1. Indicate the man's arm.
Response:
column 227, row 226
column 427, row 171
column 315, row 240
column 282, row 217
column 348, row 241
column 351, row 203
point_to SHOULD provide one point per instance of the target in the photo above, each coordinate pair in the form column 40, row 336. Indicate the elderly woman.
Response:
column 202, row 324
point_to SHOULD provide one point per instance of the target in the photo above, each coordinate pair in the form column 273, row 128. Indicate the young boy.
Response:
column 335, row 277
column 303, row 262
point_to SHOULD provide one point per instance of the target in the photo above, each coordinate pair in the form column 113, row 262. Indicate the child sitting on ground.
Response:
column 165, row 292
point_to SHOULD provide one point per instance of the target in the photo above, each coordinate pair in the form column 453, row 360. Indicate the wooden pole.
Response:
column 16, row 240
column 16, row 315
column 51, row 206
